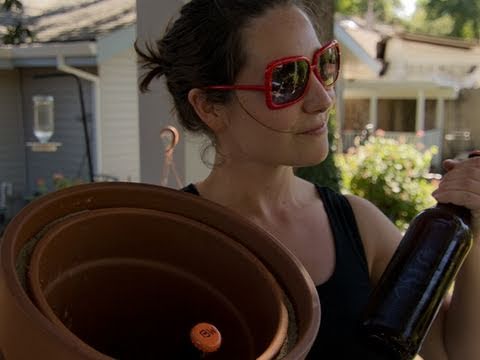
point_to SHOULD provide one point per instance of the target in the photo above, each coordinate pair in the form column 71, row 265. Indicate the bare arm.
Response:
column 455, row 333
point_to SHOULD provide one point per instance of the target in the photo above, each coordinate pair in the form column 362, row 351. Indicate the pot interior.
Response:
column 131, row 309
column 131, row 283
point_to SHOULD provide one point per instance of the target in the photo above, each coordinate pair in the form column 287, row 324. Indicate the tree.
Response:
column 10, row 5
column 384, row 10
column 465, row 15
column 326, row 173
column 16, row 31
column 419, row 23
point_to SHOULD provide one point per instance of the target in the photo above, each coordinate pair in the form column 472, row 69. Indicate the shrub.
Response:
column 58, row 181
column 392, row 175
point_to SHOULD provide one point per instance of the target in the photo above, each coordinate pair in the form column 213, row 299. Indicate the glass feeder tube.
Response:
column 43, row 121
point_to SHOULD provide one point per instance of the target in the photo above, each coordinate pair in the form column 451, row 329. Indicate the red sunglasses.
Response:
column 286, row 79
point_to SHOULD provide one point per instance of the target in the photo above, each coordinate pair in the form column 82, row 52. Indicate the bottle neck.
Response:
column 460, row 211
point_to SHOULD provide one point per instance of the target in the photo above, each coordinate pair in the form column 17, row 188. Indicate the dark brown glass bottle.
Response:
column 409, row 294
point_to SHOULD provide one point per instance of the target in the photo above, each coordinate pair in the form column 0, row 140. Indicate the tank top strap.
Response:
column 344, row 295
column 191, row 188
column 348, row 243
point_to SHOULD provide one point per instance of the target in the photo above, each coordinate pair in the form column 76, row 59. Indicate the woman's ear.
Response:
column 207, row 111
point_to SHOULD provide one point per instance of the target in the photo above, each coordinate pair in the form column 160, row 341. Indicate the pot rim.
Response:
column 85, row 196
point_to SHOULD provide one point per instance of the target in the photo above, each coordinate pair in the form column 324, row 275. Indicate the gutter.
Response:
column 95, row 79
column 42, row 50
column 6, row 59
column 45, row 54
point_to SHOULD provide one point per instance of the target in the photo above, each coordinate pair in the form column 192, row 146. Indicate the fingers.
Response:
column 468, row 199
column 461, row 185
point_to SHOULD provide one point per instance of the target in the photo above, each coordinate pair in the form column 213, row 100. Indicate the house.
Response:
column 93, row 41
column 422, row 88
column 405, row 84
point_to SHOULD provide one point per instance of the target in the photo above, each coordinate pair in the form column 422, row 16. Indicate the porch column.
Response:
column 420, row 120
column 440, row 116
column 154, row 107
column 374, row 111
column 440, row 124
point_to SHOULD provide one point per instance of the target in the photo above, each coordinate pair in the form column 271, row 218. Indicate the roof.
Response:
column 76, row 20
column 415, row 57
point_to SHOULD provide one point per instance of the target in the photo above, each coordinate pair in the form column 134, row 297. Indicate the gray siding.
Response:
column 119, row 124
column 12, row 144
column 70, row 159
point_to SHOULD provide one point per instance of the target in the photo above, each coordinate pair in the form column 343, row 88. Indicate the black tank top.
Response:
column 344, row 295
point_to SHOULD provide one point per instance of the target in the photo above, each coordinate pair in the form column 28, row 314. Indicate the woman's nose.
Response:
column 318, row 98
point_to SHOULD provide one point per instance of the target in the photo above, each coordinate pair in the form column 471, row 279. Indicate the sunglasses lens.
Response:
column 289, row 81
column 329, row 66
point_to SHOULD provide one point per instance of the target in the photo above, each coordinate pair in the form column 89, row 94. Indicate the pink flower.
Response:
column 420, row 133
column 57, row 176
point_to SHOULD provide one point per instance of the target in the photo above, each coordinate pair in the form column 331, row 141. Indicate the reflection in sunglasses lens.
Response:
column 328, row 66
column 289, row 81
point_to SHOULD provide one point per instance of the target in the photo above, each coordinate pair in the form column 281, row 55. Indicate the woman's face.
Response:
column 295, row 135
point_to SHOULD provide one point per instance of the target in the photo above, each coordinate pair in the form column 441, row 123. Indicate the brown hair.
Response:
column 203, row 47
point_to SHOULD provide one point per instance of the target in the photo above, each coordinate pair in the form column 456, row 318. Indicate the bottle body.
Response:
column 410, row 292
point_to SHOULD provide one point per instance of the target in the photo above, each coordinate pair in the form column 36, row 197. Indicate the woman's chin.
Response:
column 315, row 157
column 311, row 161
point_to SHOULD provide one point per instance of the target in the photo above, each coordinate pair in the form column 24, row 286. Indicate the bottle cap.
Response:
column 206, row 337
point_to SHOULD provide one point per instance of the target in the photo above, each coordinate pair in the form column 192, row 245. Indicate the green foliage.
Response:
column 384, row 9
column 58, row 182
column 16, row 32
column 327, row 172
column 464, row 15
column 391, row 175
column 441, row 26
column 10, row 5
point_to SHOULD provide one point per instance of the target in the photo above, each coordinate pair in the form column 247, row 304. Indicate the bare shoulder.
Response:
column 379, row 235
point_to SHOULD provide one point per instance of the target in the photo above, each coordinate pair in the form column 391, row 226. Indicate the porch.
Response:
column 413, row 112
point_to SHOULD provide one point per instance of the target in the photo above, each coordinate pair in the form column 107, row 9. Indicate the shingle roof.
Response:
column 80, row 20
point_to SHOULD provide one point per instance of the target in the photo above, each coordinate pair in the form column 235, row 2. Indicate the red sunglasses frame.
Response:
column 267, row 88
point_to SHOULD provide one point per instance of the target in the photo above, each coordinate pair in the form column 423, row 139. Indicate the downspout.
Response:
column 62, row 66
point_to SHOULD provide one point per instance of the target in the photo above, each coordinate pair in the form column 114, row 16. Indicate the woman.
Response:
column 253, row 76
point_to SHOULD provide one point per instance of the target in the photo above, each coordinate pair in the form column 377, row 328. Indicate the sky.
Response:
column 409, row 7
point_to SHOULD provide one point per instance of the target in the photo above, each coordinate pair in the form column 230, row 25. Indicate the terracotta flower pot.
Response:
column 125, row 270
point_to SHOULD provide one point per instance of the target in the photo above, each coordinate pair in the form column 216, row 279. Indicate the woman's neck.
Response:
column 256, row 191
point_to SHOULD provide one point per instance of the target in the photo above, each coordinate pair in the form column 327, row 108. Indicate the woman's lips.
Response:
column 317, row 130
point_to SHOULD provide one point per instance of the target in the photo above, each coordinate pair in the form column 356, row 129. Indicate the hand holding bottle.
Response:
column 461, row 186
column 410, row 292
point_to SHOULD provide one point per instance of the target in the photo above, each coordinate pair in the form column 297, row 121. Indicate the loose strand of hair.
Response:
column 151, row 60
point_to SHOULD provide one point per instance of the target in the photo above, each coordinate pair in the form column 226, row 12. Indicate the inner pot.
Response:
column 22, row 322
column 131, row 283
